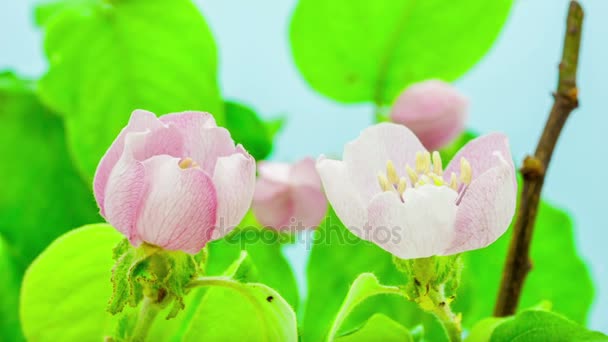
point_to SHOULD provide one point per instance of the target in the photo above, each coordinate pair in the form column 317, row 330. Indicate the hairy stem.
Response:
column 147, row 315
column 534, row 168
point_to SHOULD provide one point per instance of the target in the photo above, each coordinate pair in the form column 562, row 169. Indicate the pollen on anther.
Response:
column 402, row 185
column 391, row 172
column 465, row 171
column 383, row 181
column 186, row 163
column 437, row 164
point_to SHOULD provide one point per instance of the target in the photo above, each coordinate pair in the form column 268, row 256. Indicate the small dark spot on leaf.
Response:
column 417, row 282
column 269, row 299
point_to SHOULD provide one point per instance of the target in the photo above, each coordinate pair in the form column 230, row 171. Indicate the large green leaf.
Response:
column 362, row 51
column 243, row 312
column 378, row 328
column 42, row 194
column 264, row 250
column 537, row 325
column 364, row 287
column 66, row 289
column 9, row 296
column 108, row 58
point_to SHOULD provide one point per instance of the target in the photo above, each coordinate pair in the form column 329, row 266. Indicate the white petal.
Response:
column 341, row 193
column 421, row 226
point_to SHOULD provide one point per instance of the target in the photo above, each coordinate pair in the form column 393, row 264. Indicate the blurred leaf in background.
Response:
column 42, row 194
column 248, row 129
column 108, row 58
column 368, row 51
column 338, row 257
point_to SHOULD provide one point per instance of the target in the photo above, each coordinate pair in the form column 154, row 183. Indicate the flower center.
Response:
column 427, row 171
column 186, row 163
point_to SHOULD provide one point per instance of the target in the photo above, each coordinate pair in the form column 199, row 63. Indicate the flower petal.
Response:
column 486, row 209
column 277, row 172
column 480, row 154
column 180, row 207
column 234, row 179
column 434, row 110
column 309, row 206
column 205, row 142
column 272, row 203
column 304, row 173
column 125, row 186
column 368, row 154
column 140, row 121
column 344, row 198
column 421, row 226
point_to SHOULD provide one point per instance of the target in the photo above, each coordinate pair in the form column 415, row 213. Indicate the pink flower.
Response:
column 391, row 191
column 289, row 196
column 434, row 110
column 174, row 181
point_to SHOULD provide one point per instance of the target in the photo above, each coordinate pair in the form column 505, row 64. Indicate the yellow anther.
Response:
column 437, row 164
column 427, row 162
column 187, row 163
column 419, row 162
column 454, row 182
column 424, row 179
column 437, row 180
column 383, row 181
column 412, row 174
column 391, row 172
column 402, row 185
column 465, row 171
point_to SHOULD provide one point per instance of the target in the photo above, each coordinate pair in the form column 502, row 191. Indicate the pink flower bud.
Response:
column 174, row 181
column 434, row 110
column 289, row 196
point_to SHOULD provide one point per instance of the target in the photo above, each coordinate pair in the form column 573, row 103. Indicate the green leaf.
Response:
column 365, row 286
column 66, row 289
column 482, row 330
column 558, row 274
column 108, row 58
column 362, row 51
column 42, row 194
column 378, row 327
column 249, row 130
column 242, row 312
column 537, row 325
column 9, row 290
column 263, row 247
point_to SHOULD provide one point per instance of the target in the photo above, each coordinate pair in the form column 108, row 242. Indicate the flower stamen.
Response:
column 187, row 163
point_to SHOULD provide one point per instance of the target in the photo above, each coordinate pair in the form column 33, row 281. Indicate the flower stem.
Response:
column 147, row 315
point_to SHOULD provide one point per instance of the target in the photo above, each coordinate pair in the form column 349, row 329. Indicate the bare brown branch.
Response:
column 518, row 262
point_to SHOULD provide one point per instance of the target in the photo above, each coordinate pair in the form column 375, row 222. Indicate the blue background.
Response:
column 509, row 91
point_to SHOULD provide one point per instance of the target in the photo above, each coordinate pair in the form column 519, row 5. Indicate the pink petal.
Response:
column 272, row 203
column 434, row 110
column 234, row 180
column 125, row 186
column 421, row 226
column 204, row 141
column 368, row 154
column 140, row 121
column 304, row 173
column 180, row 206
column 309, row 206
column 277, row 172
column 480, row 154
column 345, row 199
column 486, row 209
